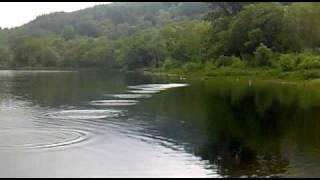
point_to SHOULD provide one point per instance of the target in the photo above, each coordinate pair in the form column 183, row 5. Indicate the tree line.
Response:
column 165, row 35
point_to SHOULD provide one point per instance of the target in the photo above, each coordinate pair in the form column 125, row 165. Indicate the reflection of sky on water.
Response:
column 217, row 128
column 38, row 140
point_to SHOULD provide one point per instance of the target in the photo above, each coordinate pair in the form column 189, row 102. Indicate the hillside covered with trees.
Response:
column 172, row 36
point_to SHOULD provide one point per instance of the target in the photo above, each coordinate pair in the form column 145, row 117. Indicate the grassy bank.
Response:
column 256, row 73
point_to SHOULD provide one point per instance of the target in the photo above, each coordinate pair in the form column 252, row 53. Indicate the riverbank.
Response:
column 266, row 74
column 274, row 75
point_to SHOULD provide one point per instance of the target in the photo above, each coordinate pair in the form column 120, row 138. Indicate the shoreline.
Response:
column 259, row 76
column 250, row 74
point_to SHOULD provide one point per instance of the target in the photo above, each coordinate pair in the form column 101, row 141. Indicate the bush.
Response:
column 263, row 55
column 309, row 61
column 237, row 63
column 191, row 67
column 223, row 61
column 227, row 61
column 168, row 63
column 304, row 61
column 209, row 65
column 311, row 74
column 288, row 62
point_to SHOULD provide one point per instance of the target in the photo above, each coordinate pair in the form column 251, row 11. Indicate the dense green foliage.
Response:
column 125, row 35
column 186, row 36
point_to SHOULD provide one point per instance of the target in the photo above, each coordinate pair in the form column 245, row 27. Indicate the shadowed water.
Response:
column 98, row 124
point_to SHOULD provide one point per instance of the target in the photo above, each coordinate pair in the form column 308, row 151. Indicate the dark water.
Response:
column 97, row 124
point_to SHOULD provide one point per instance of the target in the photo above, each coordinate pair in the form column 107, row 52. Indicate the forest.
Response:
column 230, row 38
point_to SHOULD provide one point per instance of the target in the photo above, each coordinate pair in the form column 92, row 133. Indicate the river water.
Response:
column 103, row 124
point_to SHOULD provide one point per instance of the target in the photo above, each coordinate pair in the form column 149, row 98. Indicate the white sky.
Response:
column 14, row 14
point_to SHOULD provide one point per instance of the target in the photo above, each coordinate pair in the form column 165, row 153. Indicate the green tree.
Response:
column 263, row 56
column 6, row 57
column 258, row 23
column 68, row 32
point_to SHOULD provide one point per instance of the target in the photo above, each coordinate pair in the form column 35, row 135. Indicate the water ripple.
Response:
column 84, row 114
column 157, row 87
column 144, row 91
column 153, row 88
column 39, row 138
column 129, row 96
column 113, row 102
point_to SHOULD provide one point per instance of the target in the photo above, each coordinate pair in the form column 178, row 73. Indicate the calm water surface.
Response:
column 98, row 124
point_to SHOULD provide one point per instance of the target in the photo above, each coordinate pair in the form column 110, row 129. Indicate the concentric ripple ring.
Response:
column 39, row 138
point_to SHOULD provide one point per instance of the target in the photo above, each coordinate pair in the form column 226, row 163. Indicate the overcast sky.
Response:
column 14, row 14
